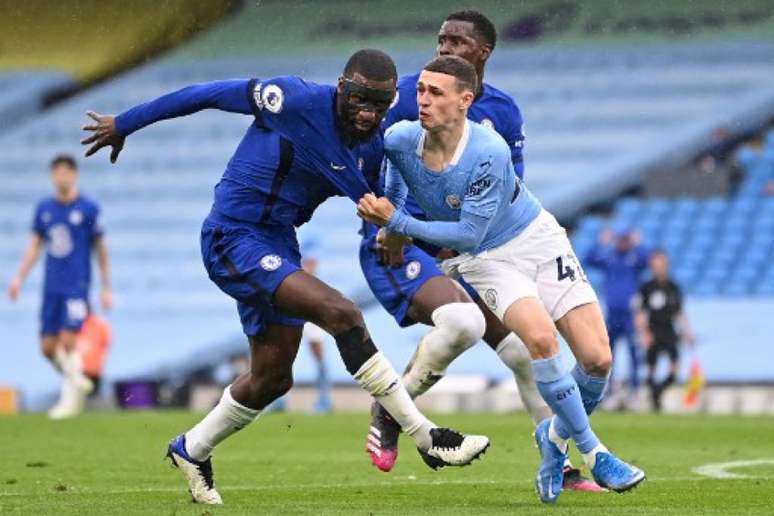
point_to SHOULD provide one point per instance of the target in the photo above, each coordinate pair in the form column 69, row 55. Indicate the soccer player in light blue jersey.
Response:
column 513, row 252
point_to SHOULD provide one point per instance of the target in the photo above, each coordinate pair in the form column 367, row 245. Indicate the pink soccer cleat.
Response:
column 382, row 442
column 575, row 481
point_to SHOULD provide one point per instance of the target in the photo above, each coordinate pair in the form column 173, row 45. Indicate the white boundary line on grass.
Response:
column 340, row 485
column 720, row 469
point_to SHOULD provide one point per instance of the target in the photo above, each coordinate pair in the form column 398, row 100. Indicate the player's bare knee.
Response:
column 541, row 343
column 339, row 315
column 599, row 362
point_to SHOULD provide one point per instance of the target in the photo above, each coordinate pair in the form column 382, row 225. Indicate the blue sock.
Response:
column 560, row 390
column 592, row 389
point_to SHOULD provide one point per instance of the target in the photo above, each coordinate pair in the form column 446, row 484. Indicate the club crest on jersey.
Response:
column 271, row 262
column 413, row 269
column 490, row 298
column 76, row 217
column 453, row 201
column 269, row 97
column 487, row 123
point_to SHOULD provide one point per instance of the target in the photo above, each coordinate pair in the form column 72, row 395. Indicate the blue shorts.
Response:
column 395, row 287
column 249, row 262
column 63, row 312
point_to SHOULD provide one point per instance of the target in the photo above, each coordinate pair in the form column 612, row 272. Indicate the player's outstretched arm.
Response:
column 28, row 261
column 111, row 131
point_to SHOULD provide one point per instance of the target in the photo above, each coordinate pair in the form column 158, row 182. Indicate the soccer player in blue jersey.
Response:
column 415, row 290
column 67, row 225
column 308, row 142
column 512, row 251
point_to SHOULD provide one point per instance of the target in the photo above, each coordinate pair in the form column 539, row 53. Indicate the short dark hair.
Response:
column 457, row 67
column 482, row 26
column 64, row 159
column 372, row 64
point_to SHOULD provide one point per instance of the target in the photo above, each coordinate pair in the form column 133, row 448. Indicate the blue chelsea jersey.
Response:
column 69, row 231
column 291, row 158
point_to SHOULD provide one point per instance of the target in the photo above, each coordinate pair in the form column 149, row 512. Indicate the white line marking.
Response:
column 720, row 469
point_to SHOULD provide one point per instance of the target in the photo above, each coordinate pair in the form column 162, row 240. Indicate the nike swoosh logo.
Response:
column 337, row 167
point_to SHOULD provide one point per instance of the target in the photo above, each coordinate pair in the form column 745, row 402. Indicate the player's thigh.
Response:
column 433, row 294
column 67, row 339
column 583, row 327
column 307, row 297
column 527, row 318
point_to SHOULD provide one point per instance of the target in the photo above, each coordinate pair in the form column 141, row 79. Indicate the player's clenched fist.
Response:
column 376, row 210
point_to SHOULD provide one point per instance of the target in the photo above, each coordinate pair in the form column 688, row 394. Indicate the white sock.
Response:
column 380, row 380
column 457, row 327
column 554, row 437
column 227, row 418
column 590, row 458
column 515, row 355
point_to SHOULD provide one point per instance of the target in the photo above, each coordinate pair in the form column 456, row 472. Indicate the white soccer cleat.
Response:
column 201, row 483
column 71, row 401
column 451, row 448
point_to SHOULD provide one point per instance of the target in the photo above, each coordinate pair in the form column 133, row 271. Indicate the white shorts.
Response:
column 539, row 262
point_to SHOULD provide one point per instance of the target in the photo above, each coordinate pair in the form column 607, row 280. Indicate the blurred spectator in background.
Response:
column 659, row 313
column 622, row 259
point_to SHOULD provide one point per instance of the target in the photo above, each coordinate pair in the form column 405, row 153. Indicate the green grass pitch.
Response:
column 111, row 463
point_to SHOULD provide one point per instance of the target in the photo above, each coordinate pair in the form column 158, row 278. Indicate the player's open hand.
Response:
column 375, row 210
column 390, row 247
column 106, row 297
column 14, row 288
column 103, row 134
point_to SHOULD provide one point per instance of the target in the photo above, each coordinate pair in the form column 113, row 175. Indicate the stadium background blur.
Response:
column 657, row 116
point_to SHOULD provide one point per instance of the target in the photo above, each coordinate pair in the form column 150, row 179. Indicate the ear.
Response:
column 486, row 51
column 340, row 85
column 466, row 99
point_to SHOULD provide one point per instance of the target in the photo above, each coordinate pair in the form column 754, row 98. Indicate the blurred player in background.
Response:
column 661, row 323
column 622, row 259
column 308, row 142
column 415, row 290
column 67, row 225
column 315, row 336
column 512, row 251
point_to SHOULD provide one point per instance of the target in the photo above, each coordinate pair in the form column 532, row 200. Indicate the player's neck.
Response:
column 66, row 197
column 443, row 143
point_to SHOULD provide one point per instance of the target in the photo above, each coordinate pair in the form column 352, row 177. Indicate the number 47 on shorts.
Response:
column 568, row 267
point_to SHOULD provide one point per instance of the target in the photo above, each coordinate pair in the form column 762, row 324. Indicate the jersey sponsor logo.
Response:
column 413, row 269
column 487, row 123
column 269, row 97
column 271, row 262
column 490, row 298
column 453, row 201
column 60, row 242
column 76, row 217
column 478, row 186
